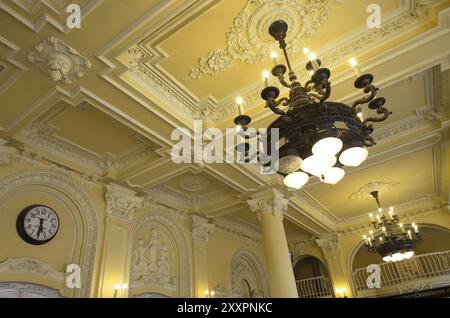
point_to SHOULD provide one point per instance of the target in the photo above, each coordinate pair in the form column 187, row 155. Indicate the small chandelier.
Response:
column 316, row 137
column 395, row 243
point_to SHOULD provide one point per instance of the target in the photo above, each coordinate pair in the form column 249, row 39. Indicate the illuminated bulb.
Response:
column 213, row 293
column 353, row 62
column 116, row 286
column 380, row 210
column 240, row 103
column 207, row 293
column 296, row 180
column 289, row 164
column 266, row 74
column 306, row 51
column 318, row 165
column 387, row 259
column 327, row 146
column 360, row 116
column 311, row 73
column 312, row 56
column 354, row 157
column 124, row 286
column 273, row 55
column 334, row 175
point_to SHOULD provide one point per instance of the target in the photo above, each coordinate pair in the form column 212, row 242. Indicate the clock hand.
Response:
column 41, row 227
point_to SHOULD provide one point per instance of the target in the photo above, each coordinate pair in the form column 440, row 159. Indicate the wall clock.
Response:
column 37, row 224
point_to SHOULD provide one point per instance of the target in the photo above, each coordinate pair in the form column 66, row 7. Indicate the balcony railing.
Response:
column 421, row 267
column 314, row 287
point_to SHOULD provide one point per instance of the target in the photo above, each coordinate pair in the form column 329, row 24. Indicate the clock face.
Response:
column 37, row 224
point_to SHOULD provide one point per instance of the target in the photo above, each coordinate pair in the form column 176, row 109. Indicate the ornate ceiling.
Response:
column 103, row 100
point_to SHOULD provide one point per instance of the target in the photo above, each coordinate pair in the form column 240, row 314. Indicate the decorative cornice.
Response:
column 30, row 266
column 268, row 201
column 382, row 187
column 121, row 202
column 59, row 61
column 6, row 152
column 201, row 228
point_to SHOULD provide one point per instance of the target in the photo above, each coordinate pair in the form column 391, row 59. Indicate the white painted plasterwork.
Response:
column 155, row 218
column 201, row 229
column 6, row 152
column 268, row 201
column 246, row 266
column 248, row 39
column 59, row 61
column 26, row 290
column 121, row 202
column 65, row 184
column 30, row 266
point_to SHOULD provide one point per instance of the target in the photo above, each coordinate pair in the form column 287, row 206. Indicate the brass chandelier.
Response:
column 316, row 137
column 396, row 242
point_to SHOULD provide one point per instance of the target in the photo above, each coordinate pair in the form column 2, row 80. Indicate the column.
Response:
column 270, row 206
column 121, row 203
column 340, row 279
column 201, row 229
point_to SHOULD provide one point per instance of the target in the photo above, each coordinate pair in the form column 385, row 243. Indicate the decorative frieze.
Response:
column 30, row 266
column 121, row 202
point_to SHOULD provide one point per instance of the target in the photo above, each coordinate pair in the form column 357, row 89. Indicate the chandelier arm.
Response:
column 283, row 82
column 327, row 91
column 386, row 113
column 372, row 90
column 272, row 104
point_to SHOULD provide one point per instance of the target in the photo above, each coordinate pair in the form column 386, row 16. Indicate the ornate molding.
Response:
column 194, row 183
column 121, row 202
column 67, row 185
column 330, row 245
column 6, row 152
column 201, row 228
column 268, row 201
column 30, row 266
column 27, row 290
column 59, row 61
column 245, row 266
column 248, row 40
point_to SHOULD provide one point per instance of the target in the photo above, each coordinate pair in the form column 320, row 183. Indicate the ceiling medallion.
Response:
column 316, row 137
column 365, row 192
column 194, row 183
column 395, row 242
column 248, row 41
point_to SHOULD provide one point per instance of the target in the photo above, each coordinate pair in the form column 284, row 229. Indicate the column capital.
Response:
column 268, row 201
column 330, row 245
column 121, row 202
column 201, row 228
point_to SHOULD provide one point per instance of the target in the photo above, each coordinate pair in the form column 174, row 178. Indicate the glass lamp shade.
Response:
column 334, row 175
column 354, row 157
column 289, row 164
column 387, row 259
column 329, row 146
column 396, row 257
column 318, row 165
column 296, row 180
column 409, row 254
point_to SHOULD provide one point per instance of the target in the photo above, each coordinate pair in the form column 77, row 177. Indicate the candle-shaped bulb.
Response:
column 240, row 104
column 213, row 293
column 360, row 115
column 266, row 76
column 379, row 219
column 116, row 286
column 371, row 216
column 313, row 58
column 380, row 210
column 383, row 229
column 409, row 234
column 391, row 214
column 381, row 239
column 124, row 286
column 306, row 51
column 206, row 293
column 370, row 241
column 354, row 64
column 274, row 56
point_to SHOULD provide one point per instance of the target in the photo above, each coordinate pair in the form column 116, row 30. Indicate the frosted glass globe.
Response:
column 409, row 254
column 334, row 175
column 387, row 258
column 318, row 165
column 296, row 180
column 330, row 146
column 354, row 157
column 289, row 164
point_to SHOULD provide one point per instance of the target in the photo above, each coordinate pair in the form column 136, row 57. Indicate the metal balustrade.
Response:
column 418, row 267
column 314, row 287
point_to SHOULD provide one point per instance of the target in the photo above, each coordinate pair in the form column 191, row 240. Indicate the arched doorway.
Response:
column 312, row 278
column 428, row 269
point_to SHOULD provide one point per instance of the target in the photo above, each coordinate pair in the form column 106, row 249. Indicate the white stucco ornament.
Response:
column 59, row 61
